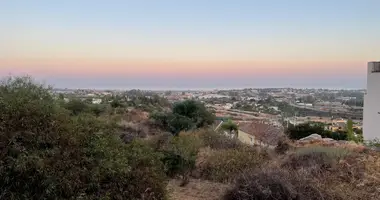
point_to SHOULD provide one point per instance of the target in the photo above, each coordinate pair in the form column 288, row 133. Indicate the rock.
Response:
column 328, row 140
column 311, row 137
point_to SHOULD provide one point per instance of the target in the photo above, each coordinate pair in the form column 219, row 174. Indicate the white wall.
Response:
column 371, row 123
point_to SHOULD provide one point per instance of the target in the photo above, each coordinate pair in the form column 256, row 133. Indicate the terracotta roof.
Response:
column 263, row 131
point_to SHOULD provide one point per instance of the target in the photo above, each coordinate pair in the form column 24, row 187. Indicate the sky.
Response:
column 190, row 44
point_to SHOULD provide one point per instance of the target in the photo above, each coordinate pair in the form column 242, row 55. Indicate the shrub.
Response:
column 26, row 106
column 180, row 154
column 172, row 122
column 97, row 109
column 332, row 152
column 178, row 123
column 48, row 154
column 159, row 142
column 160, row 119
column 186, row 115
column 230, row 126
column 216, row 140
column 225, row 165
column 130, row 129
column 315, row 159
column 274, row 184
column 120, row 171
column 194, row 110
column 373, row 143
column 76, row 106
column 115, row 103
column 283, row 146
column 306, row 129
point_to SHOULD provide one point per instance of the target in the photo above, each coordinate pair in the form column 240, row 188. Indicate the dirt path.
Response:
column 197, row 190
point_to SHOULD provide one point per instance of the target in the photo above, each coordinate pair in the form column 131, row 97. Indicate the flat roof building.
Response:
column 371, row 121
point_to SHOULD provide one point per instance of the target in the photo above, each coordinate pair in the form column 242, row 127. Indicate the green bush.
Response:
column 77, row 106
column 306, row 129
column 46, row 153
column 180, row 154
column 185, row 116
column 97, row 109
column 131, row 171
column 26, row 106
column 116, row 104
column 178, row 123
column 373, row 143
column 194, row 110
column 229, row 126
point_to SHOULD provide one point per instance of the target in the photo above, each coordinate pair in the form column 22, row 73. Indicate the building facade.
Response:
column 371, row 121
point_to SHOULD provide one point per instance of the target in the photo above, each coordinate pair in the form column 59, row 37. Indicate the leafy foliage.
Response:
column 306, row 129
column 76, row 106
column 195, row 111
column 46, row 153
column 230, row 126
column 186, row 115
column 180, row 154
column 115, row 103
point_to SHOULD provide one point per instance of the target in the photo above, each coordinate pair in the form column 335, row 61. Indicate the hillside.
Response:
column 52, row 149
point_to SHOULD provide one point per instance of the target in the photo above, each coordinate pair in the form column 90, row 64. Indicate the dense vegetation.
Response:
column 303, row 130
column 57, row 149
column 49, row 152
column 52, row 149
column 186, row 115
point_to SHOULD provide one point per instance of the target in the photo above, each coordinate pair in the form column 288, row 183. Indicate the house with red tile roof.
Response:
column 259, row 132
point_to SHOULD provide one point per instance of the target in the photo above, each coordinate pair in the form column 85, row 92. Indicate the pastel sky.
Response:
column 177, row 44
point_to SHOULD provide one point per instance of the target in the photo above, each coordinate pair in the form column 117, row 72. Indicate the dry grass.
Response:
column 275, row 184
column 342, row 173
column 337, row 144
column 225, row 165
column 356, row 177
column 314, row 171
column 196, row 190
column 216, row 140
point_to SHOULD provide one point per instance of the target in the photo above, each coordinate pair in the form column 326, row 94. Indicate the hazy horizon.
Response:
column 194, row 44
column 118, row 83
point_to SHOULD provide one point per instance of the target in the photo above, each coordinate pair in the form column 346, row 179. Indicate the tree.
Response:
column 308, row 99
column 116, row 103
column 178, row 123
column 76, row 106
column 230, row 126
column 97, row 110
column 351, row 133
column 306, row 129
column 195, row 111
column 61, row 96
column 186, row 115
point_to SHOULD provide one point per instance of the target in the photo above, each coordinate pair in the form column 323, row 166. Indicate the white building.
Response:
column 371, row 123
column 96, row 101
